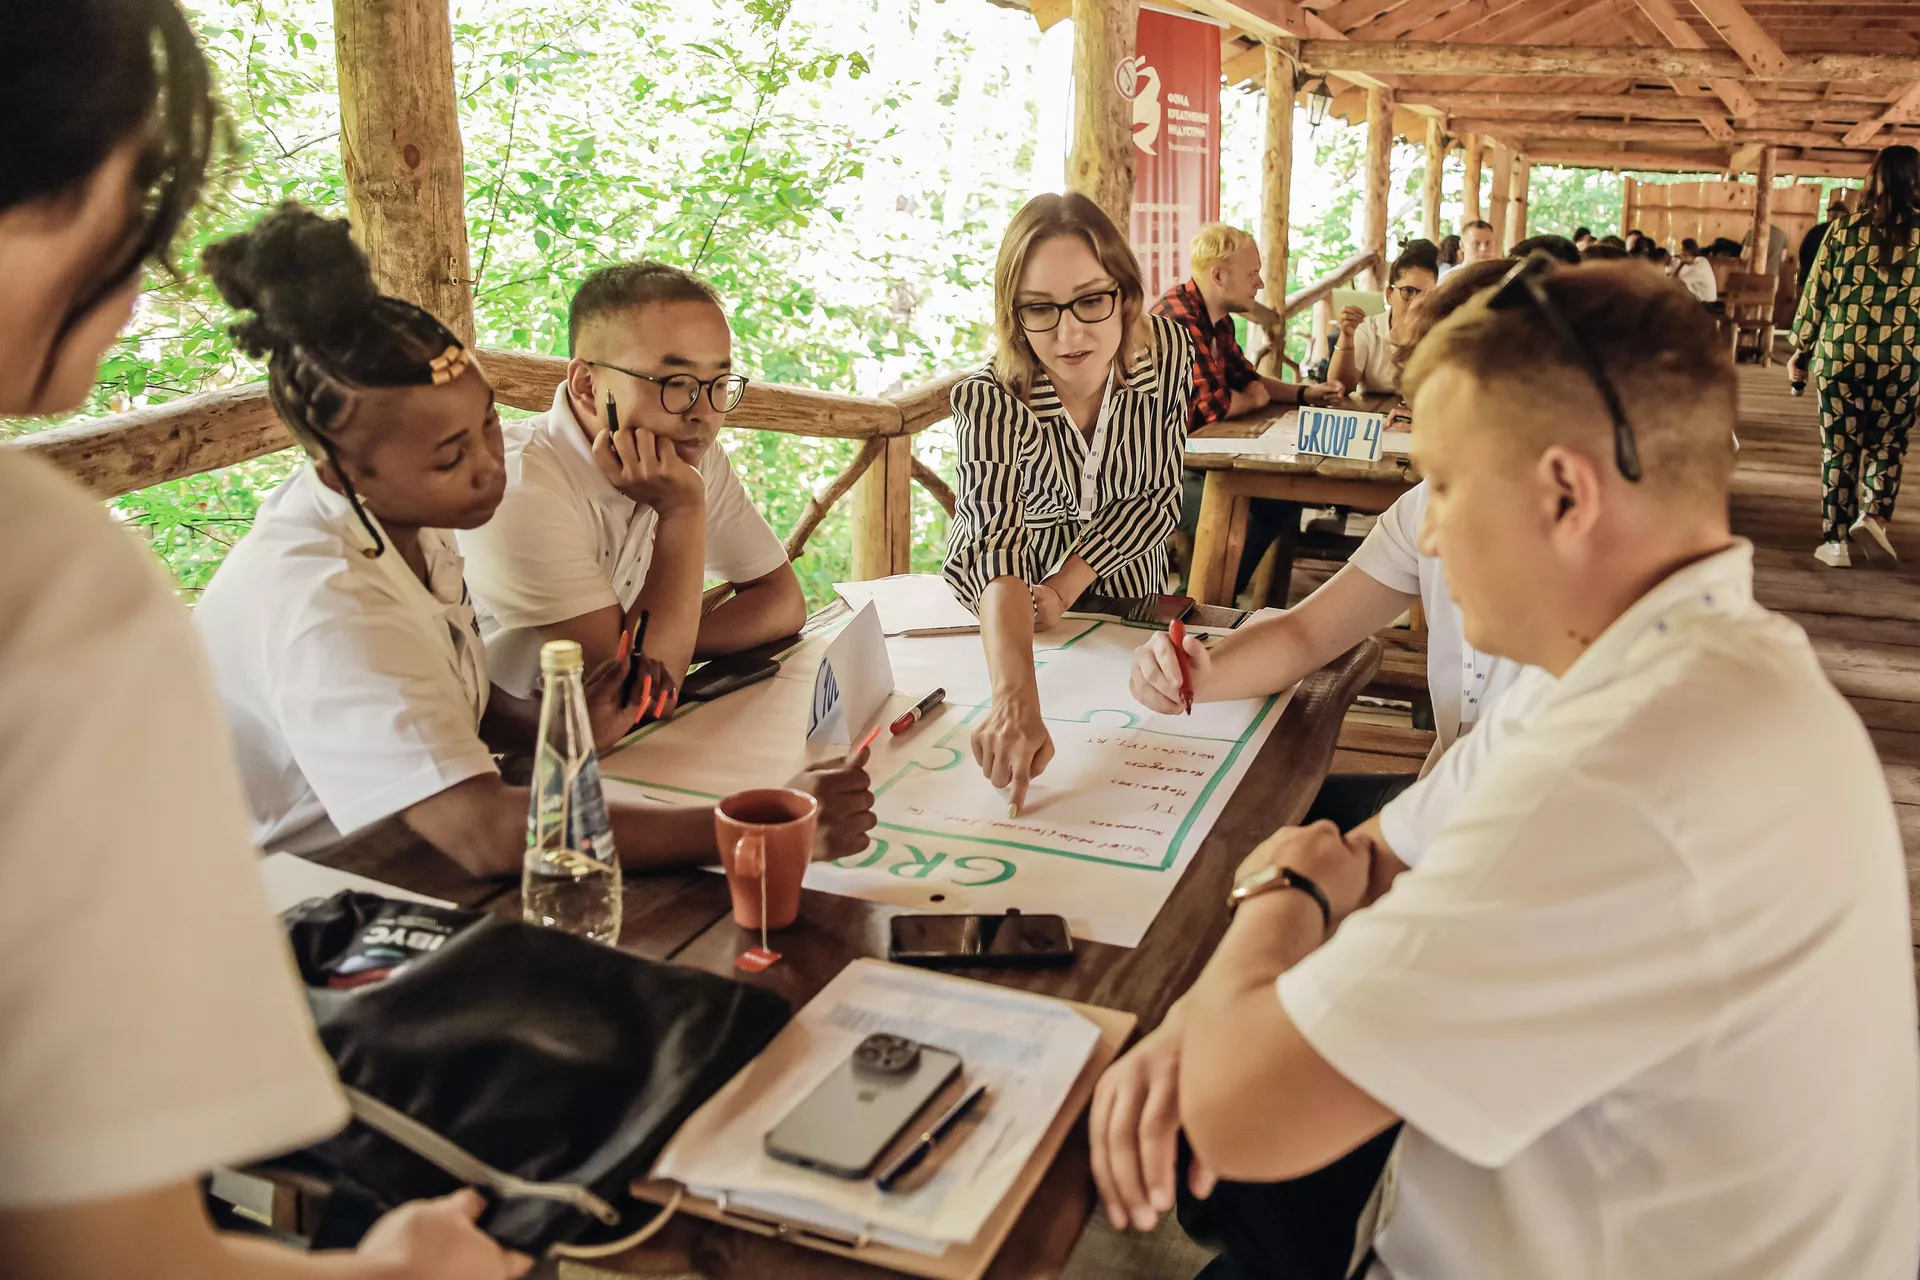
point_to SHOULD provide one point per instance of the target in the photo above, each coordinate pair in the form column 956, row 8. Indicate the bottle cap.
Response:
column 560, row 655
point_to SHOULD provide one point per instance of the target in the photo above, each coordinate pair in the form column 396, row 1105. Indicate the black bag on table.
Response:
column 546, row 1069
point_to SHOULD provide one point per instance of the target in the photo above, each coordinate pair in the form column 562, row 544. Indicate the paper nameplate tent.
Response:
column 853, row 683
column 1341, row 433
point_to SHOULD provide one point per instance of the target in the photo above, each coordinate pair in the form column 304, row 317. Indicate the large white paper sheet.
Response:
column 1027, row 1049
column 911, row 604
column 1106, row 830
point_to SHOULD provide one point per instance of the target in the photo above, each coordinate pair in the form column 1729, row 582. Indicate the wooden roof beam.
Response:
column 1615, row 131
column 1681, row 36
column 1748, row 38
column 1905, row 110
column 1601, row 62
column 1702, row 162
column 1651, row 106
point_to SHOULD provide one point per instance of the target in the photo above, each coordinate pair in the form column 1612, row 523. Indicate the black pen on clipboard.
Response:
column 913, row 1157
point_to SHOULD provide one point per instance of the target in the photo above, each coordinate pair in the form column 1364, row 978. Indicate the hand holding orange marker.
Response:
column 866, row 741
column 1178, row 634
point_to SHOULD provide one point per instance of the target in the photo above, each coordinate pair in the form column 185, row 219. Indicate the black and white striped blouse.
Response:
column 1033, row 490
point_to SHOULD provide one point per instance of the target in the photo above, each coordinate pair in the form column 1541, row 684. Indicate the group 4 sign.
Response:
column 1173, row 82
column 1339, row 433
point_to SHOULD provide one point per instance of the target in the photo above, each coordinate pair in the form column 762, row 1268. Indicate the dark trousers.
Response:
column 1349, row 799
column 1298, row 1230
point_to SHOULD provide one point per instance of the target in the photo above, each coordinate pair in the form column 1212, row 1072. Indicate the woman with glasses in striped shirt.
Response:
column 1069, row 469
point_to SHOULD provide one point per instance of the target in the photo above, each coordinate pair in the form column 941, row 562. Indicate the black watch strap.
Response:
column 1294, row 880
column 1271, row 878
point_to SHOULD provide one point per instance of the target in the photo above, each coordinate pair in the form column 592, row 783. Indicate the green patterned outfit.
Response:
column 1861, row 322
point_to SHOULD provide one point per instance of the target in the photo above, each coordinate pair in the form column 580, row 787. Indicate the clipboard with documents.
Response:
column 1039, row 1055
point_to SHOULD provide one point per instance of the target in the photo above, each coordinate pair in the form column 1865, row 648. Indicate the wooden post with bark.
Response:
column 1762, row 211
column 1470, row 192
column 1379, row 175
column 1517, row 202
column 1497, row 197
column 400, row 145
column 1100, row 165
column 1430, row 184
column 883, row 513
column 1276, row 196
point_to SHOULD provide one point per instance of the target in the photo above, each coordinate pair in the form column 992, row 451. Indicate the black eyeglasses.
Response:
column 1088, row 308
column 1407, row 292
column 1524, row 286
column 681, row 392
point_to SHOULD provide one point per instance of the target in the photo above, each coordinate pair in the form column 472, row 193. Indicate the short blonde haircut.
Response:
column 1216, row 243
column 1659, row 347
column 1039, row 220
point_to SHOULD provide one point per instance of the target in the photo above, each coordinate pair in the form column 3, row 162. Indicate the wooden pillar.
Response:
column 1628, row 190
column 1100, row 165
column 883, row 513
column 1517, row 203
column 1430, row 185
column 1276, row 196
column 1379, row 175
column 1470, row 191
column 1497, row 196
column 400, row 146
column 1762, row 210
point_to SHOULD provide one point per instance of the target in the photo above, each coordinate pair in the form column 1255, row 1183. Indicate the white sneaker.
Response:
column 1878, row 532
column 1834, row 554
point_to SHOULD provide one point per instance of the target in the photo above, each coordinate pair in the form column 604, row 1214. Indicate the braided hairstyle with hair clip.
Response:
column 325, row 329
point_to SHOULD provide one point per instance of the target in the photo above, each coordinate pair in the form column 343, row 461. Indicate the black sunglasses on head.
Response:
column 1524, row 286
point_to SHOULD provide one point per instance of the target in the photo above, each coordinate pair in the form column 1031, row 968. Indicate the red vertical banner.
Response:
column 1174, row 84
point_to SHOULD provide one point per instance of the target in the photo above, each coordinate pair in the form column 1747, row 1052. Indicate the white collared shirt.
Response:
column 565, row 542
column 1647, row 1003
column 353, row 690
column 1373, row 353
column 151, row 1025
column 1462, row 681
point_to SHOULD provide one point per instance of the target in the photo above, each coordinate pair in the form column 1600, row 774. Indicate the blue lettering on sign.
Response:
column 1337, row 434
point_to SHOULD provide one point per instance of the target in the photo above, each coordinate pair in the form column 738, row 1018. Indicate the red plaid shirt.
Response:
column 1220, row 368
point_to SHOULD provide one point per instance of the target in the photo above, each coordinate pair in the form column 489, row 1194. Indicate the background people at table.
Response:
column 150, row 1024
column 343, row 640
column 599, row 527
column 1810, row 242
column 1449, row 253
column 1385, row 577
column 1582, row 237
column 1225, row 282
column 1364, row 359
column 1477, row 242
column 1695, row 273
column 1617, row 942
column 1854, row 332
column 1069, row 456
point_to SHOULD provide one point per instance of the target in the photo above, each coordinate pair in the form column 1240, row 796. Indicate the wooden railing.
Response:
column 198, row 433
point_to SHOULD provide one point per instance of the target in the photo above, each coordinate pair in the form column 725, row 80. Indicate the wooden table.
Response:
column 1233, row 480
column 686, row 918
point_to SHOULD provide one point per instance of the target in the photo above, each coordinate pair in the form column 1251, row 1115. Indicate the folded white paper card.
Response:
column 853, row 683
column 1341, row 433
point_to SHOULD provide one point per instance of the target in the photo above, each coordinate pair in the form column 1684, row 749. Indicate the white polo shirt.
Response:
column 1647, row 1004
column 1696, row 278
column 1462, row 681
column 565, row 542
column 1373, row 349
column 353, row 690
column 151, row 1026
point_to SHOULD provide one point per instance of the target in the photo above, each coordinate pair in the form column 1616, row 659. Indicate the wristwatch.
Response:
column 1269, row 878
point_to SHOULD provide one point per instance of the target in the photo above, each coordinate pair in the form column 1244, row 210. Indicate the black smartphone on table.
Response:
column 1013, row 941
column 720, row 676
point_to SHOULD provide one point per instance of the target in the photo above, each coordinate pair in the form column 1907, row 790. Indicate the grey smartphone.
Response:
column 847, row 1123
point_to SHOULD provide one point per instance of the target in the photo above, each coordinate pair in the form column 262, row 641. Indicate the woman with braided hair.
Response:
column 343, row 638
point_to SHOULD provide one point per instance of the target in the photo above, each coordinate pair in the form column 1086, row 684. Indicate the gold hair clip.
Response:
column 449, row 364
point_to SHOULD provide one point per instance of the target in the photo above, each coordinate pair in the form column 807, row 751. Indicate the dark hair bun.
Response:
column 301, row 275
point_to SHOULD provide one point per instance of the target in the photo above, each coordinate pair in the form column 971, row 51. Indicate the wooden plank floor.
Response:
column 1864, row 621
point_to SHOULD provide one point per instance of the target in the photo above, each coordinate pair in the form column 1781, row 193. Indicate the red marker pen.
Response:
column 919, row 711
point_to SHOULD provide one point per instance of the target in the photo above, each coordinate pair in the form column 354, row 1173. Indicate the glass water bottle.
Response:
column 571, row 879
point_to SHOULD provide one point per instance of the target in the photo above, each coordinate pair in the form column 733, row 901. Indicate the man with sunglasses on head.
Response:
column 621, row 501
column 1644, row 1003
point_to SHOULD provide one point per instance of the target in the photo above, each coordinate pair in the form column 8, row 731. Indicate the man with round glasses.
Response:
column 620, row 500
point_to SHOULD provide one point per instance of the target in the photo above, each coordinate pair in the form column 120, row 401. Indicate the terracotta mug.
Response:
column 766, row 842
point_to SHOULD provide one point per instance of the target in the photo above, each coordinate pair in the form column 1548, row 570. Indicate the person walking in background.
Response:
column 1477, row 242
column 1810, row 242
column 1857, row 320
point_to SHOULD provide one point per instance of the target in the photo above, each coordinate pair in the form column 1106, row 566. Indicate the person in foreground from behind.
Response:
column 1386, row 576
column 1069, row 442
column 1854, row 332
column 151, row 1027
column 1226, row 279
column 343, row 640
column 607, row 519
column 1606, row 1002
